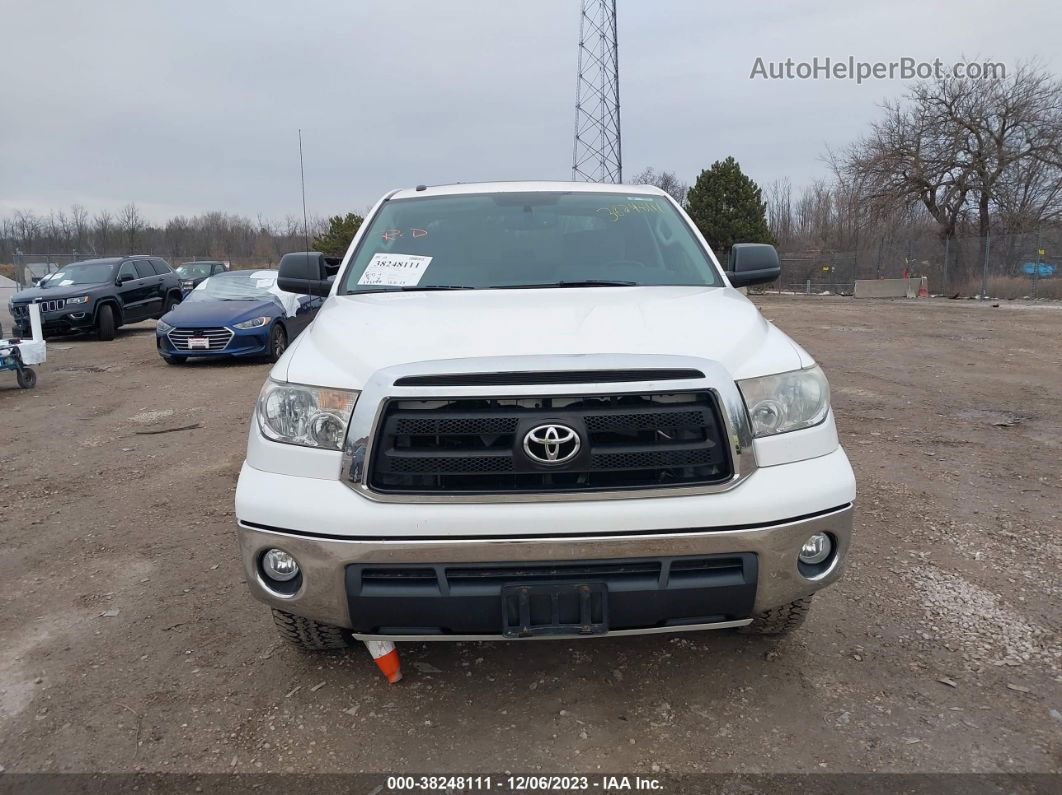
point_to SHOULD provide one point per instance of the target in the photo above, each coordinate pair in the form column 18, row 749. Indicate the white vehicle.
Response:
column 537, row 409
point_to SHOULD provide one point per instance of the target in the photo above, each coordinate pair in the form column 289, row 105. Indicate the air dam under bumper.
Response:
column 331, row 584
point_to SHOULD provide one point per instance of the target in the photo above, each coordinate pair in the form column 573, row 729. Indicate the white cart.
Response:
column 20, row 355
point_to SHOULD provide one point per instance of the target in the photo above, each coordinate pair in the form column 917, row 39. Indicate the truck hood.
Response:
column 31, row 294
column 353, row 336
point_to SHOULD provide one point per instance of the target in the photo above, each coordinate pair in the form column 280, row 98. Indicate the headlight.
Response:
column 187, row 284
column 256, row 322
column 164, row 327
column 81, row 299
column 786, row 401
column 310, row 416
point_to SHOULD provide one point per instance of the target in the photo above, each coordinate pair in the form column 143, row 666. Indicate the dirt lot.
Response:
column 129, row 640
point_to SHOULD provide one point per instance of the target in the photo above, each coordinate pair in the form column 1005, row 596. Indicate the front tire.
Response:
column 278, row 342
column 26, row 377
column 171, row 302
column 779, row 620
column 105, row 323
column 310, row 635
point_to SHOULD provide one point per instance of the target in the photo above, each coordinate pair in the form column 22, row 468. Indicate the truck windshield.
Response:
column 513, row 240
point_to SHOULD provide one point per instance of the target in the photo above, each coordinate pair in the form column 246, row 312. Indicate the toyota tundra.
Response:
column 530, row 410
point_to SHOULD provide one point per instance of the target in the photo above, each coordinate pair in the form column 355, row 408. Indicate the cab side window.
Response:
column 127, row 269
column 143, row 267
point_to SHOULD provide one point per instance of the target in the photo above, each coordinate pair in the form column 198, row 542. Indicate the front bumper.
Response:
column 63, row 321
column 244, row 342
column 324, row 592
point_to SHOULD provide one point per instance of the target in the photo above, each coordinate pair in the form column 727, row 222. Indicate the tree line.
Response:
column 212, row 235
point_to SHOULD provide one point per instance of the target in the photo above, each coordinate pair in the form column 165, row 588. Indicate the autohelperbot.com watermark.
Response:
column 849, row 68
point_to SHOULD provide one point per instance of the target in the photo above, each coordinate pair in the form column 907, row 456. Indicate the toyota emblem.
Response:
column 551, row 444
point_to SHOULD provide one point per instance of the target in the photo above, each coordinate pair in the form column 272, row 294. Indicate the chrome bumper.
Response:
column 323, row 596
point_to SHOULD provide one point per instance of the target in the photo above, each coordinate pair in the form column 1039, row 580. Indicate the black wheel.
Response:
column 175, row 359
column 310, row 635
column 278, row 342
column 780, row 620
column 27, row 379
column 171, row 302
column 105, row 323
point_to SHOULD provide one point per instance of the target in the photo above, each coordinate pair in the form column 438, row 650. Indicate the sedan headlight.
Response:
column 255, row 322
column 310, row 416
column 163, row 326
column 786, row 401
column 81, row 299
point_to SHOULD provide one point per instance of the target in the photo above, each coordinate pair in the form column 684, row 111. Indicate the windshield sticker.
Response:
column 394, row 270
column 617, row 211
column 418, row 232
column 392, row 234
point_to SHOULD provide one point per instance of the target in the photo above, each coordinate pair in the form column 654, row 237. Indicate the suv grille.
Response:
column 51, row 306
column 217, row 338
column 476, row 445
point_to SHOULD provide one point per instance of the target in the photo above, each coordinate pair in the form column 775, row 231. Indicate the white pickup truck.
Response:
column 538, row 409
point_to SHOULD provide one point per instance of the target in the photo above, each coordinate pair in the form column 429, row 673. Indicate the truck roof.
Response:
column 526, row 186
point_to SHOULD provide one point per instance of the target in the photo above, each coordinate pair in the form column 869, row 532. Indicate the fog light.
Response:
column 816, row 549
column 279, row 565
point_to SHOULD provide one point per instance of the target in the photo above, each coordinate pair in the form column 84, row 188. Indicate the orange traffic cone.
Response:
column 386, row 656
column 923, row 287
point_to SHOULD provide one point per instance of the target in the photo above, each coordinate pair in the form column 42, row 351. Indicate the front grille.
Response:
column 52, row 306
column 468, row 598
column 476, row 445
column 217, row 338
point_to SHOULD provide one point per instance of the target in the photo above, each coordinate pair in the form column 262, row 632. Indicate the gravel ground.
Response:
column 129, row 641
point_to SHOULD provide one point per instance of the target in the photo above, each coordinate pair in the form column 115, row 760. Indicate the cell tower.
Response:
column 597, row 155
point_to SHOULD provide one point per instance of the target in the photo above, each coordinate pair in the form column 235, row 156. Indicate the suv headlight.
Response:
column 786, row 401
column 310, row 416
column 255, row 322
column 81, row 299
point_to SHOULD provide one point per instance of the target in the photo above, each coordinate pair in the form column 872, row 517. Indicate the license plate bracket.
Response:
column 566, row 608
column 200, row 343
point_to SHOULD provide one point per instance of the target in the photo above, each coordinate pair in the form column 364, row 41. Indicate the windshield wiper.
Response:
column 417, row 288
column 413, row 288
column 582, row 283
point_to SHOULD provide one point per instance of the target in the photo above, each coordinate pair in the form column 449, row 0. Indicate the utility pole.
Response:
column 597, row 156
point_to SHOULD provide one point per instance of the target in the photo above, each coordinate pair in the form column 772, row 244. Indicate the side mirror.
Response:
column 753, row 263
column 305, row 273
column 125, row 278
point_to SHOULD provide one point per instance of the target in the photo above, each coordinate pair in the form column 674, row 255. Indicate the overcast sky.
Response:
column 190, row 106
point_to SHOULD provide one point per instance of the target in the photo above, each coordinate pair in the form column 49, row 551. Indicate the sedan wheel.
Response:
column 278, row 342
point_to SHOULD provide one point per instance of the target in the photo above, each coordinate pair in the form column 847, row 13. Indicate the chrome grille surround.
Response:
column 380, row 388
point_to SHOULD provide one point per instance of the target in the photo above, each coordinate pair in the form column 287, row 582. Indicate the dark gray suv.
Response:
column 100, row 295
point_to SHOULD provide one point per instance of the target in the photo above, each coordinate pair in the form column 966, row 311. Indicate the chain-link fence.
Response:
column 1005, row 266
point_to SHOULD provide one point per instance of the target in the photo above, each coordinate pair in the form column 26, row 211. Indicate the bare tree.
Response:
column 79, row 223
column 666, row 181
column 131, row 224
column 101, row 233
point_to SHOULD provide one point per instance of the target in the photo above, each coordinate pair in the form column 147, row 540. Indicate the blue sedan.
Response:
column 239, row 313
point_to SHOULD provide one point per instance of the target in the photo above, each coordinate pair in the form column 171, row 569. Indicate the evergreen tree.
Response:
column 341, row 230
column 728, row 207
